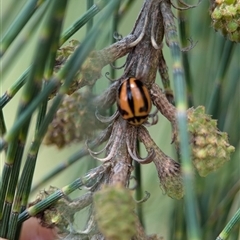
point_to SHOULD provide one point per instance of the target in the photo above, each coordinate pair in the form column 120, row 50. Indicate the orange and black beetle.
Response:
column 133, row 101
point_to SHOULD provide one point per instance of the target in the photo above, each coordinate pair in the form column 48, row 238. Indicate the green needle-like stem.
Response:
column 18, row 24
column 181, row 105
column 232, row 223
column 89, row 180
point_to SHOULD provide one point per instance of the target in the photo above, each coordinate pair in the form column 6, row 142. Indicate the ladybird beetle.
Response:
column 133, row 101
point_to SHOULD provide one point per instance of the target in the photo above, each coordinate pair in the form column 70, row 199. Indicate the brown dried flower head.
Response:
column 169, row 171
column 74, row 121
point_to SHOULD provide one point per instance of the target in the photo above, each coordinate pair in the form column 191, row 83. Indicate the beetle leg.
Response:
column 154, row 119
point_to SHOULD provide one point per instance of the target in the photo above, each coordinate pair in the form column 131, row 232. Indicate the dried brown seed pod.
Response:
column 74, row 121
column 169, row 171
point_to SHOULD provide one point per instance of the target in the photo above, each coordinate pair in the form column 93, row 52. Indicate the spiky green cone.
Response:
column 210, row 147
column 114, row 208
column 74, row 121
column 226, row 18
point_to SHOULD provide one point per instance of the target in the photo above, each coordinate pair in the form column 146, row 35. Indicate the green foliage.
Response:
column 115, row 202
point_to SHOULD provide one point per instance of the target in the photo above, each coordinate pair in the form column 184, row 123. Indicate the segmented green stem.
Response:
column 90, row 22
column 96, row 8
column 228, row 228
column 183, row 27
column 10, row 93
column 60, row 167
column 181, row 104
column 213, row 104
column 31, row 89
column 67, row 72
column 23, row 191
column 22, row 40
column 20, row 21
column 9, row 13
column 2, row 123
column 89, row 180
column 74, row 63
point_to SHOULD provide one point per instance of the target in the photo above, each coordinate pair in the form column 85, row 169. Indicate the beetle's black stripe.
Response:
column 140, row 88
column 137, row 120
column 130, row 97
column 119, row 90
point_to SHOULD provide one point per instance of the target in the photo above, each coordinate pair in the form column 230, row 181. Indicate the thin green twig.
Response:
column 67, row 72
column 193, row 228
column 90, row 3
column 96, row 8
column 20, row 21
column 22, row 40
column 220, row 78
column 10, row 93
column 31, row 89
column 228, row 228
column 89, row 180
column 183, row 29
column 22, row 194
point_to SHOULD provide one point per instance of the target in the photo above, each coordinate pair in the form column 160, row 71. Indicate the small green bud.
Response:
column 225, row 16
column 114, row 214
column 210, row 147
column 229, row 1
column 217, row 14
column 235, row 37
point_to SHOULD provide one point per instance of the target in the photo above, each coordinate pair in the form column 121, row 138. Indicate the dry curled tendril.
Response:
column 145, row 58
